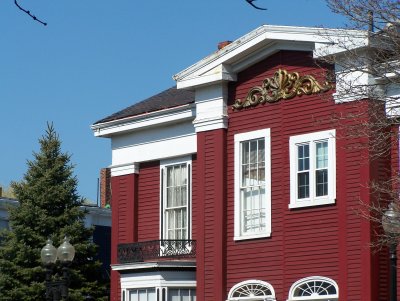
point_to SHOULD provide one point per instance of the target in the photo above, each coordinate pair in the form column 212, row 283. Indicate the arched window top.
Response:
column 252, row 290
column 314, row 288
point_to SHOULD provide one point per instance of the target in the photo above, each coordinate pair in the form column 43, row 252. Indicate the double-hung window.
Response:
column 252, row 184
column 175, row 199
column 312, row 169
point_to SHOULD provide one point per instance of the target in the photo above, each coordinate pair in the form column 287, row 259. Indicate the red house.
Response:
column 238, row 184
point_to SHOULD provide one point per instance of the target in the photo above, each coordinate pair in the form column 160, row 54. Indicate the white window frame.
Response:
column 311, row 138
column 238, row 138
column 163, row 165
column 247, row 288
column 158, row 289
column 311, row 279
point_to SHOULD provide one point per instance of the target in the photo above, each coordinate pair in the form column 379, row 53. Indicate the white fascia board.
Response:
column 153, row 143
column 258, row 38
column 153, row 150
column 152, row 265
column 158, row 118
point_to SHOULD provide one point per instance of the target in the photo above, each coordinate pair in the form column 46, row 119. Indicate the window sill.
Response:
column 309, row 203
column 254, row 236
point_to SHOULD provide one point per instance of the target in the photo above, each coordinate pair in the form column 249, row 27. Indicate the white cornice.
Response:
column 252, row 42
column 146, row 120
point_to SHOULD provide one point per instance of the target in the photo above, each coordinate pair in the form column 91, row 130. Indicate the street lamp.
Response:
column 391, row 226
column 57, row 289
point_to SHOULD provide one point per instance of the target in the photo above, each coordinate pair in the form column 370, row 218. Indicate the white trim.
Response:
column 154, row 144
column 238, row 138
column 248, row 282
column 124, row 169
column 328, row 135
column 153, row 265
column 312, row 298
column 163, row 164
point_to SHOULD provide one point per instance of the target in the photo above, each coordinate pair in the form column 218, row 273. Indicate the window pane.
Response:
column 303, row 181
column 253, row 174
column 321, row 182
column 245, row 175
column 170, row 196
column 245, row 152
column 181, row 294
column 183, row 196
column 253, row 151
column 261, row 150
column 183, row 178
column 143, row 295
column 261, row 174
column 177, row 198
column 303, row 157
column 321, row 154
column 170, row 176
column 170, row 219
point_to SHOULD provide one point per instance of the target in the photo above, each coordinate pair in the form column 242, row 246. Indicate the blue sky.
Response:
column 97, row 57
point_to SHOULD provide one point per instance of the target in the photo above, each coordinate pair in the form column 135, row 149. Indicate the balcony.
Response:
column 156, row 250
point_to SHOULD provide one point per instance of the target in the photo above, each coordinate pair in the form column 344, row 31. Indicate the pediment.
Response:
column 224, row 64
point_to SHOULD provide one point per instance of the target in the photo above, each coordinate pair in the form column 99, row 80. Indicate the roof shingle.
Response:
column 169, row 98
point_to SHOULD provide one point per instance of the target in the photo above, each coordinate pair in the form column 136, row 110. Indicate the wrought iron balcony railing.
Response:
column 156, row 250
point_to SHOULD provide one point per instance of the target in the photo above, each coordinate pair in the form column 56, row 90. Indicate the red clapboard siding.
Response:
column 329, row 241
column 195, row 198
column 149, row 201
column 122, row 201
column 210, row 215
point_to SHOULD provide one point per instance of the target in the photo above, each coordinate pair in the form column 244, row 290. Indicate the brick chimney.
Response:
column 105, row 187
column 223, row 44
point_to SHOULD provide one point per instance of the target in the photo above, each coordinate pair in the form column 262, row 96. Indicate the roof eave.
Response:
column 145, row 120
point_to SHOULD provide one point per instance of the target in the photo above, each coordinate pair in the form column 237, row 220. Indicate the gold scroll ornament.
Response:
column 282, row 85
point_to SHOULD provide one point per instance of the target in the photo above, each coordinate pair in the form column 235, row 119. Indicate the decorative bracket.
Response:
column 282, row 85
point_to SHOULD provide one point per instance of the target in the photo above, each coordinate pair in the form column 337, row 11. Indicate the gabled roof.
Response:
column 166, row 99
column 224, row 64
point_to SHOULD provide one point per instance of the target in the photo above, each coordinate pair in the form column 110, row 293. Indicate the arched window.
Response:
column 314, row 288
column 252, row 290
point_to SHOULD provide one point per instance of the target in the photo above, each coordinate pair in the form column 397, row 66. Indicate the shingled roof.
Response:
column 169, row 98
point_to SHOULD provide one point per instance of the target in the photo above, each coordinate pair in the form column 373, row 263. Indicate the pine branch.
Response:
column 29, row 13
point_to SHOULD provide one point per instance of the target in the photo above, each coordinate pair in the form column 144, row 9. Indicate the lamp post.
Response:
column 57, row 289
column 391, row 226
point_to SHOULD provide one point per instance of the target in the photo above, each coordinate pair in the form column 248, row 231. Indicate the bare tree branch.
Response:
column 29, row 13
column 255, row 6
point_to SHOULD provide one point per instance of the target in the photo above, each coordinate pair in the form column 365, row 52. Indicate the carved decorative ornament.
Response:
column 282, row 85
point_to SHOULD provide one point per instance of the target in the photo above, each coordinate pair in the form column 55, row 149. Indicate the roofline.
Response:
column 131, row 123
column 316, row 33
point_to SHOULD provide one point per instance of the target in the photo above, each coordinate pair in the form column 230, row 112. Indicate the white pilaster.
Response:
column 211, row 107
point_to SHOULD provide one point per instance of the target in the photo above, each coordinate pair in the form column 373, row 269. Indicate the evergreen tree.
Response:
column 49, row 207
